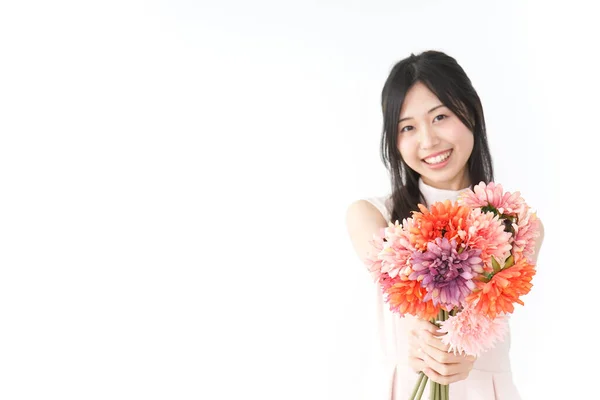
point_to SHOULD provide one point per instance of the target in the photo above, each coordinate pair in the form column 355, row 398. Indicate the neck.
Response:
column 434, row 194
column 459, row 182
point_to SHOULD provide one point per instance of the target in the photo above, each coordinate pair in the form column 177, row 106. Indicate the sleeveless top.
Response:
column 388, row 375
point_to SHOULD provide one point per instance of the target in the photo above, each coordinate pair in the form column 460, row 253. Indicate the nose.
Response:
column 427, row 138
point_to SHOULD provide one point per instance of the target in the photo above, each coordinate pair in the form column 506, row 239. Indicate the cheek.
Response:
column 470, row 143
column 466, row 142
column 460, row 135
column 406, row 147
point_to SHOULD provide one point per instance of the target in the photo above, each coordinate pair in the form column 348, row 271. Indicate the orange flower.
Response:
column 443, row 219
column 406, row 297
column 503, row 290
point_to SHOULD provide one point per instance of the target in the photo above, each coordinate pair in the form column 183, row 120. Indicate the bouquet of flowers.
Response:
column 462, row 265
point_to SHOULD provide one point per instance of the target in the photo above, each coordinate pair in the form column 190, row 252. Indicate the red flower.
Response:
column 503, row 290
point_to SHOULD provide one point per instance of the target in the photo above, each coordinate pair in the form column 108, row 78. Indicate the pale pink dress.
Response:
column 390, row 378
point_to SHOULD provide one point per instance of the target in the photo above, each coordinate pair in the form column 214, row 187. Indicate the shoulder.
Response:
column 366, row 216
column 364, row 220
column 370, row 205
column 366, row 208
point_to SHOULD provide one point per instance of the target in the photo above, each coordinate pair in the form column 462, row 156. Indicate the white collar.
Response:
column 433, row 195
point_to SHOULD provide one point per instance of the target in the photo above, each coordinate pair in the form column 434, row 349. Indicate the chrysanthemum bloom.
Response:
column 485, row 231
column 527, row 230
column 469, row 332
column 503, row 290
column 396, row 250
column 372, row 260
column 445, row 273
column 492, row 195
column 407, row 297
column 442, row 219
column 402, row 295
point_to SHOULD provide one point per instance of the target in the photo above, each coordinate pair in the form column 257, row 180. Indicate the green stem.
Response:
column 444, row 389
column 417, row 386
column 422, row 388
column 436, row 391
column 432, row 390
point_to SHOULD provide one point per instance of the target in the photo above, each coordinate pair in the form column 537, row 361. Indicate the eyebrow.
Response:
column 428, row 112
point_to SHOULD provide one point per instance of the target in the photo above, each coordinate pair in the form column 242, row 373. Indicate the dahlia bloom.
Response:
column 443, row 219
column 486, row 232
column 405, row 296
column 503, row 290
column 372, row 261
column 493, row 195
column 469, row 332
column 527, row 230
column 446, row 273
column 396, row 250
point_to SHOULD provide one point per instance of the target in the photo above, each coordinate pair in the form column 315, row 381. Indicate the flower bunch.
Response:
column 462, row 265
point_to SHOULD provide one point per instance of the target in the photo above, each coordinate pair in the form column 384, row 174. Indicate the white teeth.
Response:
column 437, row 159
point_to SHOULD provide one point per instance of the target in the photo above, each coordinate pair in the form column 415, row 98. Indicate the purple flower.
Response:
column 444, row 273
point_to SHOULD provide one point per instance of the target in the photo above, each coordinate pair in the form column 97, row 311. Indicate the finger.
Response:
column 444, row 380
column 434, row 341
column 441, row 356
column 414, row 340
column 418, row 324
column 416, row 352
column 444, row 369
column 416, row 364
column 438, row 333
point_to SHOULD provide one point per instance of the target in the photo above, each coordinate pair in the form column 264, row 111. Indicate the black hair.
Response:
column 449, row 82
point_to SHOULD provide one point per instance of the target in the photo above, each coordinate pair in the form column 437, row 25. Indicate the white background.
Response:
column 174, row 177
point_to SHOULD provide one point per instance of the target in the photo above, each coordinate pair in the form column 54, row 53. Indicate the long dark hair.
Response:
column 449, row 82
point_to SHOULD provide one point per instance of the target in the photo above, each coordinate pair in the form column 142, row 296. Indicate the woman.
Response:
column 434, row 145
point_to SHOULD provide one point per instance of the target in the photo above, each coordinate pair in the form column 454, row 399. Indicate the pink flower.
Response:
column 527, row 230
column 472, row 333
column 485, row 231
column 393, row 251
column 372, row 261
column 396, row 249
column 493, row 195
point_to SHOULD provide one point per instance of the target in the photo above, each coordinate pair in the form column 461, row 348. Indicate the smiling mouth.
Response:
column 440, row 158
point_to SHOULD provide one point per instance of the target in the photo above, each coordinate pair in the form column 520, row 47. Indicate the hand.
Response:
column 427, row 353
column 416, row 357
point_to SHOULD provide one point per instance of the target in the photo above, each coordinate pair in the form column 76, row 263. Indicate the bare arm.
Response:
column 426, row 353
column 363, row 221
column 539, row 241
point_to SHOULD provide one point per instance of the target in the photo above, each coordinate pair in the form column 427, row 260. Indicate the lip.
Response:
column 436, row 154
column 440, row 165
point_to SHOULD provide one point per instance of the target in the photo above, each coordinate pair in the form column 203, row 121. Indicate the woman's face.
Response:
column 433, row 141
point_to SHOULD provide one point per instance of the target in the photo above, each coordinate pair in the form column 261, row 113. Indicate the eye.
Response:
column 407, row 128
column 440, row 117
